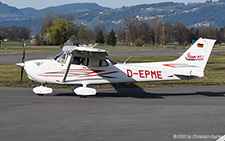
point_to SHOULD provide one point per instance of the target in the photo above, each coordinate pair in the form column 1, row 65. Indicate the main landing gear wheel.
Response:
column 84, row 91
column 83, row 96
column 40, row 94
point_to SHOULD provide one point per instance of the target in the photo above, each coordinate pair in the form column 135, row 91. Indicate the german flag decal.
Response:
column 200, row 45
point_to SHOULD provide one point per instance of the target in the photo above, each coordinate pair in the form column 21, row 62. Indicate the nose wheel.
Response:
column 42, row 90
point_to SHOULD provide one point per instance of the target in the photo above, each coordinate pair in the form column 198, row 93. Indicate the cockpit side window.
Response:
column 80, row 61
column 98, row 63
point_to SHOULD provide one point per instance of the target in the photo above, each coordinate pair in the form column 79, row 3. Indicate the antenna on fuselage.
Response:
column 127, row 59
column 95, row 45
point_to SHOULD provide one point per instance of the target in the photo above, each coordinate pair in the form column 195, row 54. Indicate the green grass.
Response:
column 29, row 49
column 217, row 59
column 214, row 75
column 146, row 59
column 5, row 44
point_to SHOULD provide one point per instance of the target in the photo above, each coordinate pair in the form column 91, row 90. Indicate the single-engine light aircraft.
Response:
column 82, row 66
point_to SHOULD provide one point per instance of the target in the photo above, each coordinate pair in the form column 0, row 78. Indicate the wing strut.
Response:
column 68, row 63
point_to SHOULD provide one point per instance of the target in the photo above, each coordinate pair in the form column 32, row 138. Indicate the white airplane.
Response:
column 83, row 66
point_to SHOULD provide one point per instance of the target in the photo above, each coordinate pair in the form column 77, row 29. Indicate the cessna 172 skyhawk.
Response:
column 83, row 66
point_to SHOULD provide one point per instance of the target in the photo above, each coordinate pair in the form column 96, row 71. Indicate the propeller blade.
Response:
column 23, row 58
column 21, row 76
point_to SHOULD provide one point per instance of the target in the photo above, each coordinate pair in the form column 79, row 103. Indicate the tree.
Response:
column 168, row 34
column 145, row 32
column 121, row 35
column 85, row 35
column 222, row 35
column 139, row 42
column 58, row 31
column 111, row 39
column 192, row 34
column 131, row 24
column 157, row 28
column 47, row 39
column 70, row 19
column 15, row 33
column 37, row 40
column 24, row 33
column 207, row 32
column 100, row 28
column 180, row 32
column 100, row 38
column 47, row 22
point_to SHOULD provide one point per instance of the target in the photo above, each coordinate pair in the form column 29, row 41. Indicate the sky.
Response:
column 40, row 4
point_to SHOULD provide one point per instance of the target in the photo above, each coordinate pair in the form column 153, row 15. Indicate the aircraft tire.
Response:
column 40, row 94
column 83, row 96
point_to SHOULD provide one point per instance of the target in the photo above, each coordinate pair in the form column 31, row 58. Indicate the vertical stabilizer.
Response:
column 196, row 57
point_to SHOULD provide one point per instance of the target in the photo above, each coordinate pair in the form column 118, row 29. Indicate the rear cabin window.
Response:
column 98, row 63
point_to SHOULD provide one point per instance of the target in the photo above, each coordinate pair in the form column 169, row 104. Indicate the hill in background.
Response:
column 91, row 14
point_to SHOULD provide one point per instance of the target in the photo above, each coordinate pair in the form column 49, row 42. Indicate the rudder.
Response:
column 196, row 57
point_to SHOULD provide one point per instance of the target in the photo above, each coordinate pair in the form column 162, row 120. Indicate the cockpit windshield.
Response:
column 57, row 56
column 61, row 57
column 77, row 60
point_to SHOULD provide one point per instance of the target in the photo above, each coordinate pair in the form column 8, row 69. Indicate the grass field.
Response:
column 17, row 47
column 214, row 75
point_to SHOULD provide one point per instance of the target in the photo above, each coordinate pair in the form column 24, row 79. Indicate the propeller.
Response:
column 23, row 60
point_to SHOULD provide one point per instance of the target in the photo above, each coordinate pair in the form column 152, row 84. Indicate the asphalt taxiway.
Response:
column 159, row 114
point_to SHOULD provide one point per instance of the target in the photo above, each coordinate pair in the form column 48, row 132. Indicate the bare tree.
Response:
column 193, row 34
column 70, row 19
column 145, row 32
column 222, row 35
column 121, row 35
column 47, row 22
column 100, row 28
column 15, row 33
column 207, row 32
column 131, row 24
column 180, row 32
column 157, row 28
column 168, row 32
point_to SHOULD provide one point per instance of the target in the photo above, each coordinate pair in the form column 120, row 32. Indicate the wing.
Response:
column 82, row 51
column 85, row 51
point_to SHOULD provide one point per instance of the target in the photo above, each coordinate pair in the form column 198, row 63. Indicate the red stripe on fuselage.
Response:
column 98, row 74
column 49, row 75
column 174, row 64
